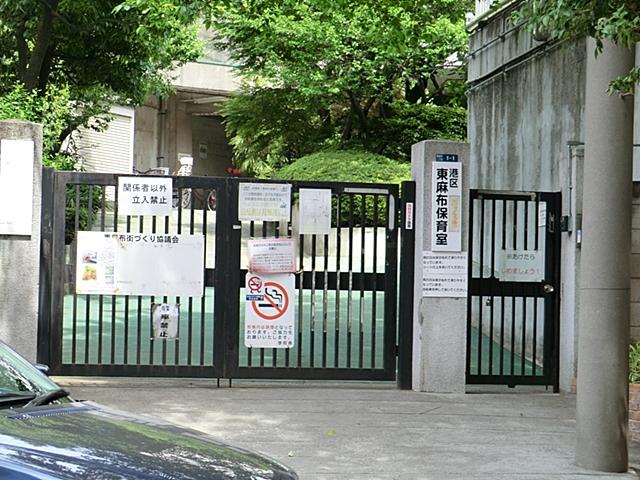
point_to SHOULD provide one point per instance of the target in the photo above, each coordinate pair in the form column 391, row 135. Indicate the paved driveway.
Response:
column 368, row 431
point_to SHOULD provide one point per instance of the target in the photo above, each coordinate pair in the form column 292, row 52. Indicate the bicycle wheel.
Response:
column 185, row 200
column 211, row 201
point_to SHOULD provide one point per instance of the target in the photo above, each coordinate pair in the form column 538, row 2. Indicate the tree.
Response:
column 340, row 62
column 98, row 52
column 614, row 20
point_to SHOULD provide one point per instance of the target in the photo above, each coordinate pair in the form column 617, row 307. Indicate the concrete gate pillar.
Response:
column 603, row 326
column 20, row 202
column 440, row 322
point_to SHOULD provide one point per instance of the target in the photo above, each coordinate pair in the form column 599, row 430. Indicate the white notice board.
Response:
column 315, row 211
column 140, row 264
column 444, row 274
column 266, row 202
column 16, row 186
column 144, row 196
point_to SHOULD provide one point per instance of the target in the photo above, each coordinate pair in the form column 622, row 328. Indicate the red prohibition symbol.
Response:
column 254, row 284
column 275, row 298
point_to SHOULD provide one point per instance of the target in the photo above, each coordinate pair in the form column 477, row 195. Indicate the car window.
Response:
column 19, row 376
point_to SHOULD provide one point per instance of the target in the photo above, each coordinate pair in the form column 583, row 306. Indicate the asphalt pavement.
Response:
column 357, row 431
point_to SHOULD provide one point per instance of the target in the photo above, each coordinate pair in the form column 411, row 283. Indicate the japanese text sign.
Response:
column 144, row 196
column 269, row 311
column 267, row 202
column 446, row 207
column 272, row 255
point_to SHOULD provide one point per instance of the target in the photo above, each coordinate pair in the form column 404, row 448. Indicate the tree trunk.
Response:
column 41, row 46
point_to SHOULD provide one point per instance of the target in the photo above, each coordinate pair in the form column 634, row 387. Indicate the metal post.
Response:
column 405, row 310
column 603, row 327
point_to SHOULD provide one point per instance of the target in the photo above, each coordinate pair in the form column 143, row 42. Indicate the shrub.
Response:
column 634, row 362
column 350, row 166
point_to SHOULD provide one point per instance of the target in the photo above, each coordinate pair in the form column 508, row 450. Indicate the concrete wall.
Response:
column 439, row 323
column 211, row 150
column 526, row 109
column 20, row 258
column 145, row 147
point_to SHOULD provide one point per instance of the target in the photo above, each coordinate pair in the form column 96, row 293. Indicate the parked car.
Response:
column 45, row 434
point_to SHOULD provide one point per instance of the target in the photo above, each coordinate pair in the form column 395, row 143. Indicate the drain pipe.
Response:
column 603, row 324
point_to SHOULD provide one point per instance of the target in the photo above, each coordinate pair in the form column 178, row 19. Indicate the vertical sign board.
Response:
column 267, row 202
column 144, row 196
column 16, row 186
column 269, row 312
column 446, row 205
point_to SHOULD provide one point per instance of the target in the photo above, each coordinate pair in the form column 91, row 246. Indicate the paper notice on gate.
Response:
column 272, row 255
column 315, row 211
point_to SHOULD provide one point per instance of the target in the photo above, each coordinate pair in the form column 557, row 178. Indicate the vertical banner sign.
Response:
column 315, row 211
column 269, row 312
column 16, row 186
column 144, row 196
column 165, row 318
column 446, row 207
column 266, row 202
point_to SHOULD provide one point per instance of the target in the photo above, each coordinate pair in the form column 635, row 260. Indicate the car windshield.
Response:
column 19, row 378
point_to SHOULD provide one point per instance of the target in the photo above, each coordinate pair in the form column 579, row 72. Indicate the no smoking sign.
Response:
column 269, row 313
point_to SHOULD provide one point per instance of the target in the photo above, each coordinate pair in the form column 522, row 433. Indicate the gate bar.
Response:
column 405, row 307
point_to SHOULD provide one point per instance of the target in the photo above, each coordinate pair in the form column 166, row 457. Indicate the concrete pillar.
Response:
column 603, row 327
column 440, row 324
column 20, row 251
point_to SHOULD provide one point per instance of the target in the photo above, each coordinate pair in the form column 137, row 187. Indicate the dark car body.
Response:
column 65, row 439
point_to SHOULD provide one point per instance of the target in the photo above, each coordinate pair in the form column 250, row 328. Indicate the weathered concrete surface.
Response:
column 369, row 431
column 440, row 326
column 20, row 257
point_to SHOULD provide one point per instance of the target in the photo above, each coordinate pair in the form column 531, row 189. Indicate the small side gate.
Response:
column 514, row 275
column 346, row 286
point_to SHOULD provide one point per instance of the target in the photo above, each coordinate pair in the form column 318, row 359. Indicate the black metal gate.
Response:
column 514, row 288
column 346, row 286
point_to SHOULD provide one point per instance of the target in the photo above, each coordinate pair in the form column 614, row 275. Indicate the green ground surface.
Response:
column 124, row 335
column 123, row 330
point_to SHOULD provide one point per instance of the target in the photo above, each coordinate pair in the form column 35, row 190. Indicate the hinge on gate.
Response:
column 565, row 223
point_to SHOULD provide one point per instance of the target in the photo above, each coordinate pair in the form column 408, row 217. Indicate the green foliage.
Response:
column 634, row 362
column 350, row 166
column 92, row 54
column 51, row 109
column 269, row 127
column 345, row 166
column 335, row 67
column 614, row 20
column 412, row 123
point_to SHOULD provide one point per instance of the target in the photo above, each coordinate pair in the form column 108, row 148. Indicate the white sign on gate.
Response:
column 272, row 255
column 165, row 318
column 145, row 196
column 267, row 202
column 269, row 312
column 140, row 264
column 520, row 265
